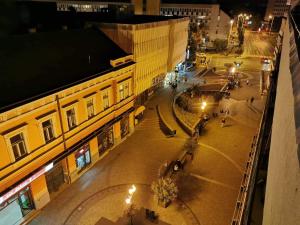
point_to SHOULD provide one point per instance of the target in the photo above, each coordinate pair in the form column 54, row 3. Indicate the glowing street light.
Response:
column 231, row 22
column 232, row 70
column 203, row 105
column 130, row 210
column 132, row 190
column 128, row 201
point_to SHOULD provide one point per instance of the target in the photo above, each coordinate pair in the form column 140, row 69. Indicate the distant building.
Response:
column 146, row 7
column 213, row 22
column 158, row 44
column 140, row 7
column 277, row 8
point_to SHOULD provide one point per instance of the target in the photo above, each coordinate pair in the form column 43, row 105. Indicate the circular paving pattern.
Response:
column 109, row 203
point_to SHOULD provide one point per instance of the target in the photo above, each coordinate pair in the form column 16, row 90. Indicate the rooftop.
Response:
column 189, row 1
column 132, row 19
column 39, row 64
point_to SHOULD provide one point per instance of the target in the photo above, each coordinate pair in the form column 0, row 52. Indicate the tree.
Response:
column 220, row 44
column 241, row 38
column 165, row 190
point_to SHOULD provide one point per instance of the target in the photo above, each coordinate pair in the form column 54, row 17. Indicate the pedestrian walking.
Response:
column 223, row 122
column 252, row 99
column 247, row 82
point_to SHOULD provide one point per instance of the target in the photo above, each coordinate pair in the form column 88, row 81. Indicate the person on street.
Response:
column 223, row 122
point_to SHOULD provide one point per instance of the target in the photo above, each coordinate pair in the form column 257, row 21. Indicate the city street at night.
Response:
column 167, row 112
column 208, row 186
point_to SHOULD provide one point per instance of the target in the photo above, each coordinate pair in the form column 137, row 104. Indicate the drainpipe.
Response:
column 63, row 135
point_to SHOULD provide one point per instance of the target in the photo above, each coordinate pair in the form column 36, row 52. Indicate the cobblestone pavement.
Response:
column 208, row 187
column 91, row 209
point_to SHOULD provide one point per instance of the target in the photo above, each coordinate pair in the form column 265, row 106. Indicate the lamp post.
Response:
column 271, row 18
column 231, row 23
column 128, row 201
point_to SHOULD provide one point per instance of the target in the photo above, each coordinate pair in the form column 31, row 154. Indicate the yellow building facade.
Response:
column 157, row 45
column 55, row 139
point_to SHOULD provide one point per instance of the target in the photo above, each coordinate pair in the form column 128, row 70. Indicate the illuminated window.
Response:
column 121, row 92
column 105, row 99
column 71, row 118
column 90, row 108
column 48, row 130
column 18, row 146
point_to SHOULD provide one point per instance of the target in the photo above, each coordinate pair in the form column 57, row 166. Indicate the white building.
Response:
column 277, row 8
column 212, row 20
column 282, row 202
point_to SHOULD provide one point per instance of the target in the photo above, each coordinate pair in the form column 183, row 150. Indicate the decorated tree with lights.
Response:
column 165, row 191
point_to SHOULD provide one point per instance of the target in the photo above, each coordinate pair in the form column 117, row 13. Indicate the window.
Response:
column 126, row 90
column 48, row 130
column 105, row 99
column 18, row 146
column 90, row 108
column 71, row 118
column 121, row 92
column 144, row 5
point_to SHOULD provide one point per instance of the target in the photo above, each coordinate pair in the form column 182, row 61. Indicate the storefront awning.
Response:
column 139, row 110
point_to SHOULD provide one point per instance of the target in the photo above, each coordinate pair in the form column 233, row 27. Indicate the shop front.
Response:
column 55, row 178
column 124, row 126
column 83, row 157
column 105, row 140
column 139, row 114
column 16, row 207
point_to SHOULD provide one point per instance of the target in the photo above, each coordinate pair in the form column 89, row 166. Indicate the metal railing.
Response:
column 243, row 203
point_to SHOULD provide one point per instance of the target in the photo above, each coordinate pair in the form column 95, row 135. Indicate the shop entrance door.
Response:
column 55, row 178
column 124, row 126
column 105, row 140
column 25, row 201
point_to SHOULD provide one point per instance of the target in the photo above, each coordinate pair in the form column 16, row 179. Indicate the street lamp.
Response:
column 130, row 210
column 271, row 18
column 231, row 23
column 203, row 106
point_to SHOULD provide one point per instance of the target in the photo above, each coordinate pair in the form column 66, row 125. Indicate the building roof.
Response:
column 130, row 19
column 189, row 1
column 39, row 64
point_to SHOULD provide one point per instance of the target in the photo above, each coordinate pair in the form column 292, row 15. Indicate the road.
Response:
column 259, row 44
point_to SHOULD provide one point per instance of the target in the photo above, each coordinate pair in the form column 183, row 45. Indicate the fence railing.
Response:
column 244, row 199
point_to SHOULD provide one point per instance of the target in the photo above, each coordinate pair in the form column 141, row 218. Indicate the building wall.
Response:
column 146, row 7
column 157, row 47
column 178, row 42
column 276, row 8
column 212, row 20
column 138, row 6
column 283, row 180
column 27, row 120
column 153, row 7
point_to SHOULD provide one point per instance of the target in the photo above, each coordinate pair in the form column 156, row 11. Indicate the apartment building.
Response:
column 157, row 43
column 67, row 98
column 277, row 8
column 213, row 22
column 138, row 7
column 282, row 201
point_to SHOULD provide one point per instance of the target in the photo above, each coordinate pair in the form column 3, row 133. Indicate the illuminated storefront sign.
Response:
column 25, row 183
